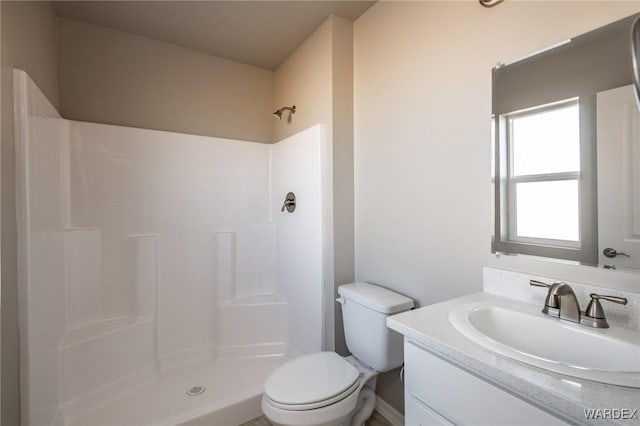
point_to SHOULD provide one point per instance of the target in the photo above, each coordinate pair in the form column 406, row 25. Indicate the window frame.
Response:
column 504, row 182
column 513, row 181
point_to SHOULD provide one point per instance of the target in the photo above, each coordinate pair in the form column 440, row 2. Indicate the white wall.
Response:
column 422, row 78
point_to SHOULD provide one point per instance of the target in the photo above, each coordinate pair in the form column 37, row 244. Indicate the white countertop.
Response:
column 566, row 397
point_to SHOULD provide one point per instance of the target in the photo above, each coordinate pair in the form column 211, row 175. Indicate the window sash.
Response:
column 509, row 118
column 512, row 200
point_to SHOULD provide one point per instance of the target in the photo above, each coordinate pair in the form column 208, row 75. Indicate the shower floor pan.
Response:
column 228, row 393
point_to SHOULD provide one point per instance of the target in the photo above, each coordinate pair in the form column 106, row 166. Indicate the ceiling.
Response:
column 261, row 33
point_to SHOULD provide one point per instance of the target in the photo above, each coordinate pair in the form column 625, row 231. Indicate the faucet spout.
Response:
column 562, row 296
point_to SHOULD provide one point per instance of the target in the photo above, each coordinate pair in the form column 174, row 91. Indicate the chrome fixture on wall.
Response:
column 490, row 3
column 289, row 203
column 635, row 61
column 278, row 113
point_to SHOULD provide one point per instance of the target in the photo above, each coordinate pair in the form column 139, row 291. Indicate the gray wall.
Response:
column 343, row 177
column 28, row 42
column 108, row 76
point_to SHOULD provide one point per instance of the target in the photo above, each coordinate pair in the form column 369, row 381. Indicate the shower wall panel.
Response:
column 296, row 167
column 83, row 268
column 40, row 145
column 168, row 247
column 185, row 190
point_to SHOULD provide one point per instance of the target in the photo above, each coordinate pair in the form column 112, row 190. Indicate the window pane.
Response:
column 546, row 141
column 548, row 210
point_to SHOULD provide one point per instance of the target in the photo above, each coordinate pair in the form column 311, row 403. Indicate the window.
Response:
column 544, row 174
column 539, row 166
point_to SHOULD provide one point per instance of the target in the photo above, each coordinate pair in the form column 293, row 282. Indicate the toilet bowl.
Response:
column 325, row 389
column 320, row 389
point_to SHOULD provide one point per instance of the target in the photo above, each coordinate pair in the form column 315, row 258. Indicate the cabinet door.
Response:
column 418, row 414
column 461, row 397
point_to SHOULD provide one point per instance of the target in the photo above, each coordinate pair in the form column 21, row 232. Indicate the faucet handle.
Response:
column 595, row 314
column 535, row 283
column 552, row 299
column 594, row 308
column 614, row 299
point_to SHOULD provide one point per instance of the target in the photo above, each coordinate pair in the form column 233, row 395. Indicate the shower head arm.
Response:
column 278, row 113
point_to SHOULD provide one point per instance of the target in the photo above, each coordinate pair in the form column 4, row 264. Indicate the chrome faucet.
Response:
column 561, row 302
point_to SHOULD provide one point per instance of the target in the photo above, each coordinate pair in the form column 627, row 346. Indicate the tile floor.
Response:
column 375, row 420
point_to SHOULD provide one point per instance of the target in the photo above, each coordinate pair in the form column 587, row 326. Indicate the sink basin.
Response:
column 603, row 355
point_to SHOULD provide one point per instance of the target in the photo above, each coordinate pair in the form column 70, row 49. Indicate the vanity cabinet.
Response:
column 440, row 393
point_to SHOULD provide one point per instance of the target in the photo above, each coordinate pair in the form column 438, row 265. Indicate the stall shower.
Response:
column 159, row 280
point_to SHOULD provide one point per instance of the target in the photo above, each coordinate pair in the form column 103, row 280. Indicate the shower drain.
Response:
column 196, row 390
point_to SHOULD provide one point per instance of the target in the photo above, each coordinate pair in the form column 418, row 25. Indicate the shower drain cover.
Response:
column 196, row 390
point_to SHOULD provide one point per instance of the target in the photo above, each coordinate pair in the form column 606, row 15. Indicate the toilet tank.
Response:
column 365, row 308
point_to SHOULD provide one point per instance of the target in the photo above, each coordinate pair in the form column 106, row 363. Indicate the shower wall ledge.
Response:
column 102, row 359
column 100, row 329
column 255, row 300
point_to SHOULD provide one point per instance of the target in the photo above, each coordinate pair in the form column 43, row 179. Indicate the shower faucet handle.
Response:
column 286, row 204
column 289, row 203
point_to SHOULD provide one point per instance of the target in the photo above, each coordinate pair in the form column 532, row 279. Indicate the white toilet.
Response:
column 324, row 389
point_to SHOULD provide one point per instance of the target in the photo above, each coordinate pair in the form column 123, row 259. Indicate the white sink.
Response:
column 603, row 355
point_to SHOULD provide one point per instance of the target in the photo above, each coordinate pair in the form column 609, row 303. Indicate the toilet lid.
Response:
column 310, row 379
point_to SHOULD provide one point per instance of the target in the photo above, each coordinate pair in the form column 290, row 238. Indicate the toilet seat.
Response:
column 311, row 381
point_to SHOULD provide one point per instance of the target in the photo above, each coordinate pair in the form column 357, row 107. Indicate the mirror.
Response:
column 566, row 152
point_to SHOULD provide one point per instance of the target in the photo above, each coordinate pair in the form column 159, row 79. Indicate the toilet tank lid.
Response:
column 374, row 297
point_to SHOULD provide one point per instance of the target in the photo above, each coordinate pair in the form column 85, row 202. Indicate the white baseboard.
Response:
column 389, row 413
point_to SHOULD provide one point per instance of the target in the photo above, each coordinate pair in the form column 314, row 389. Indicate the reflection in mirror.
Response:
column 566, row 169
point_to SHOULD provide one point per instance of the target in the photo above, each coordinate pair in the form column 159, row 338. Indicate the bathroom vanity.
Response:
column 453, row 377
column 441, row 392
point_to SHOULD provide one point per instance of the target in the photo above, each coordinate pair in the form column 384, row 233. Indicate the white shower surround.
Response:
column 151, row 259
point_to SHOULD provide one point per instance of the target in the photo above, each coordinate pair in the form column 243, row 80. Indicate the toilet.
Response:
column 325, row 389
